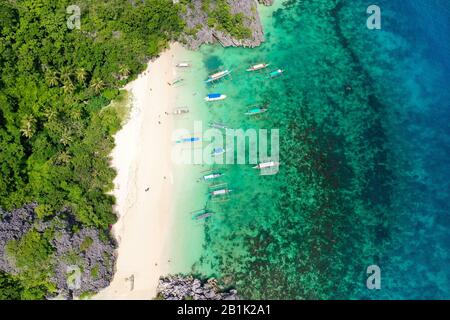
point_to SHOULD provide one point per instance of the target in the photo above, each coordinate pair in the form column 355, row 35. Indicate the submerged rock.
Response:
column 180, row 287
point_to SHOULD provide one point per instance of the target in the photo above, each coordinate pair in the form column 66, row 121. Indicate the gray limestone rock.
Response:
column 178, row 287
column 196, row 19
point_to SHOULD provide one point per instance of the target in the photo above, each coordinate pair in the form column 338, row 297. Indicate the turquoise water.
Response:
column 364, row 134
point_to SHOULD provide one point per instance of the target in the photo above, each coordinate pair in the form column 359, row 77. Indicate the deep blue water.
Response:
column 418, row 260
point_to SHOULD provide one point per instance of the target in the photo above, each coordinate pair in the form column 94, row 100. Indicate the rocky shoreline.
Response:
column 194, row 16
column 81, row 259
column 179, row 287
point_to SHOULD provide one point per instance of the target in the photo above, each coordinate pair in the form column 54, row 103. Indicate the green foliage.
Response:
column 110, row 94
column 228, row 22
column 86, row 244
column 32, row 256
column 55, row 138
column 94, row 272
column 56, row 118
column 10, row 287
column 221, row 18
column 31, row 251
column 86, row 295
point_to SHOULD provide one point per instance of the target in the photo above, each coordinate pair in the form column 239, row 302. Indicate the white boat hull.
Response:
column 266, row 165
column 257, row 67
column 222, row 97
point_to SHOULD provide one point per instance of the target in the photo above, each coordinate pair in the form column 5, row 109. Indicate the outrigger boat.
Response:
column 218, row 151
column 217, row 125
column 258, row 66
column 183, row 65
column 201, row 214
column 179, row 111
column 215, row 97
column 188, row 139
column 266, row 165
column 220, row 192
column 212, row 176
column 175, row 81
column 257, row 110
column 276, row 73
column 218, row 75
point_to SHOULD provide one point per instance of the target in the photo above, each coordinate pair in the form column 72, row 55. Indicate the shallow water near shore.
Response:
column 364, row 175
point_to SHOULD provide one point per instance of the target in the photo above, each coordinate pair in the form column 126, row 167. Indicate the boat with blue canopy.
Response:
column 215, row 97
column 188, row 139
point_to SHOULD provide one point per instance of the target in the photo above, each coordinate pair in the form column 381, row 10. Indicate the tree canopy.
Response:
column 55, row 129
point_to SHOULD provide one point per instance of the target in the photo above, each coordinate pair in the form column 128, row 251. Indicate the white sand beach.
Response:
column 142, row 157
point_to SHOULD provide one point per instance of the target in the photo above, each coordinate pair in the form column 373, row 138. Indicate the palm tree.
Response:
column 65, row 74
column 51, row 77
column 68, row 86
column 28, row 126
column 75, row 113
column 81, row 74
column 66, row 137
column 97, row 84
column 50, row 113
column 64, row 157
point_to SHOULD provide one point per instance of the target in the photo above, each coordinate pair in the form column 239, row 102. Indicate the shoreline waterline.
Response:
column 145, row 184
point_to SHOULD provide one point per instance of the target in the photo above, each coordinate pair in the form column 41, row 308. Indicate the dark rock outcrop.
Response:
column 82, row 261
column 91, row 270
column 12, row 227
column 180, row 287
